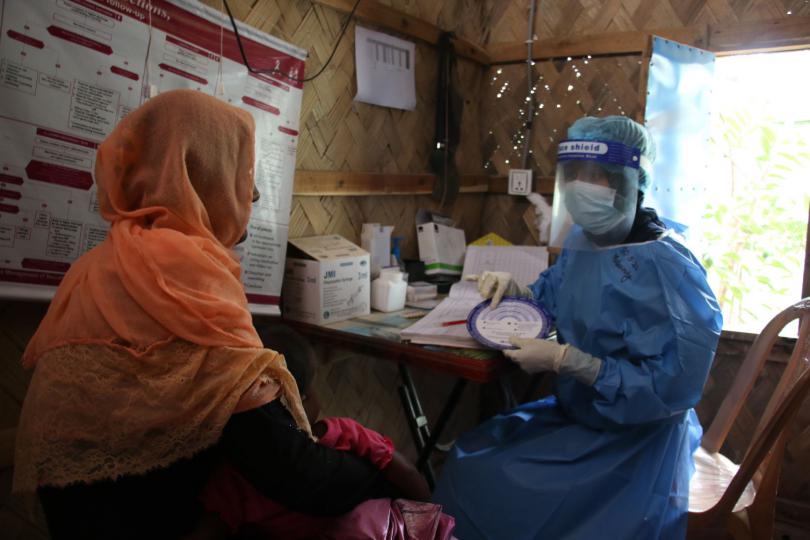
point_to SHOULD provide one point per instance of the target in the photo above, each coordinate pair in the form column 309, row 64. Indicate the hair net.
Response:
column 622, row 130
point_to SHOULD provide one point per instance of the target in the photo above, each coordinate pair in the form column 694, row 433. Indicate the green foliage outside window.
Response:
column 755, row 226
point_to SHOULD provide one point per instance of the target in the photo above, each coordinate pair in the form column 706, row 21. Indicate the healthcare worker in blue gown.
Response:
column 609, row 454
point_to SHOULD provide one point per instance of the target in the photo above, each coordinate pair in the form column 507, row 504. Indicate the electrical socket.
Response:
column 520, row 181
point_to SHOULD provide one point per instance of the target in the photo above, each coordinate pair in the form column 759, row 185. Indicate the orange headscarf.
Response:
column 148, row 347
column 175, row 180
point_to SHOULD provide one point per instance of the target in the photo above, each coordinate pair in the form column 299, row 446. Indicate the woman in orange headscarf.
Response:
column 147, row 356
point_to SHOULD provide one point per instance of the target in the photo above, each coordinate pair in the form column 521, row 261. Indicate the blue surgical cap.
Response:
column 622, row 130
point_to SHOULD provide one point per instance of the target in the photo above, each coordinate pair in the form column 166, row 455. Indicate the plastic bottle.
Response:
column 388, row 291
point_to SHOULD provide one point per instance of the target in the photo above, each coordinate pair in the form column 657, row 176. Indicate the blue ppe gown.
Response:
column 612, row 460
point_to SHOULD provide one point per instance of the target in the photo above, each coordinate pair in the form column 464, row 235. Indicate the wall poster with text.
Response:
column 71, row 69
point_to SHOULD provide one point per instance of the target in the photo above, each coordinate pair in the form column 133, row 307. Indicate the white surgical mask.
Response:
column 591, row 206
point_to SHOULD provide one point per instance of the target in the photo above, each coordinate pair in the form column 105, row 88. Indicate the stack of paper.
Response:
column 524, row 263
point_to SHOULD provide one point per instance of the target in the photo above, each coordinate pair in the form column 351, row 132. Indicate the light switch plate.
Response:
column 520, row 181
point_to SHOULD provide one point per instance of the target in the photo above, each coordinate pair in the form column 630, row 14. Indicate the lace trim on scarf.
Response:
column 98, row 412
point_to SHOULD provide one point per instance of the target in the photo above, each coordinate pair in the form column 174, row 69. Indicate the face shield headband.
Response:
column 603, row 152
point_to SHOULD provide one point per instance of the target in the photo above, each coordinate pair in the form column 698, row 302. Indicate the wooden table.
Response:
column 378, row 335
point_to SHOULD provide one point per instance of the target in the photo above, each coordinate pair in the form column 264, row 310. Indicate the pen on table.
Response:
column 451, row 323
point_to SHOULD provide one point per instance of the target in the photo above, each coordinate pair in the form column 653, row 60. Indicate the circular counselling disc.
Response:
column 514, row 316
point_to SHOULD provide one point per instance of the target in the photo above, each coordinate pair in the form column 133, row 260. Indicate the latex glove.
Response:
column 496, row 285
column 536, row 355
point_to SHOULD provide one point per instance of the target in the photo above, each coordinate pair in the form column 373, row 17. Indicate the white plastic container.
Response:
column 421, row 290
column 388, row 291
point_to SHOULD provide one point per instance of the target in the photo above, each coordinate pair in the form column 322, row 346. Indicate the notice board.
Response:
column 71, row 69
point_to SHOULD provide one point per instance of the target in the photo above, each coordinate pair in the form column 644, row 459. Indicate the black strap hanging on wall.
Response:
column 448, row 125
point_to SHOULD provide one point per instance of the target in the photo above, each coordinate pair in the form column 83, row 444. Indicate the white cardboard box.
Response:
column 441, row 248
column 376, row 239
column 326, row 279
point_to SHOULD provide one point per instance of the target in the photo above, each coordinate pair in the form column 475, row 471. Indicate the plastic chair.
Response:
column 730, row 501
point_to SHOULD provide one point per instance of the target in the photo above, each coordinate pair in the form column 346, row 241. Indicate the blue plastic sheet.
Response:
column 678, row 114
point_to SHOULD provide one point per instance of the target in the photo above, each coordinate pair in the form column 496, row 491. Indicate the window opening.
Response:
column 753, row 232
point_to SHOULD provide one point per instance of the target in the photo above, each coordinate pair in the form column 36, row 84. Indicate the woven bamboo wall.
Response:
column 365, row 388
column 604, row 85
column 563, row 18
column 563, row 90
column 338, row 133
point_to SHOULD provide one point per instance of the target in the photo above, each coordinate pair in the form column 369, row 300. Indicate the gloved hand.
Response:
column 536, row 355
column 496, row 285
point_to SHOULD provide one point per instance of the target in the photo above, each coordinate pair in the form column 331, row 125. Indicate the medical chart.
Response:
column 71, row 69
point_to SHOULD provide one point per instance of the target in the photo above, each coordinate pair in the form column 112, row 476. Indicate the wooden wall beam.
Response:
column 392, row 19
column 778, row 34
column 595, row 44
column 347, row 183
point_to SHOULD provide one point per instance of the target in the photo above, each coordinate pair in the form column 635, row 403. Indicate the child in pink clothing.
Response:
column 248, row 513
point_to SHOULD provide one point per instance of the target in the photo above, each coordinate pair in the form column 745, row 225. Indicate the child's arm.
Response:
column 347, row 434
column 284, row 464
column 401, row 474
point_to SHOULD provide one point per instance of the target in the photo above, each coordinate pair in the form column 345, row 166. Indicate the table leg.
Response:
column 424, row 438
column 507, row 394
column 417, row 420
column 441, row 422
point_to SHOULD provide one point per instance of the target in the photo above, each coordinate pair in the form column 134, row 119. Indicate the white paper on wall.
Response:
column 71, row 69
column 385, row 70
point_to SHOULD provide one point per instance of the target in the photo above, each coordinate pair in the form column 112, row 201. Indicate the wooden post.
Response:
column 643, row 76
column 806, row 283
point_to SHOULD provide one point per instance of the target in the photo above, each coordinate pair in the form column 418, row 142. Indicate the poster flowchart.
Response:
column 70, row 70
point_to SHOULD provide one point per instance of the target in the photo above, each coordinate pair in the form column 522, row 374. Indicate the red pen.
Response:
column 451, row 323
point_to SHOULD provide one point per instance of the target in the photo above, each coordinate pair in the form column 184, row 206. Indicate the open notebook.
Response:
column 524, row 263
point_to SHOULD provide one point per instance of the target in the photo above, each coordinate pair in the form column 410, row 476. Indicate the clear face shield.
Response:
column 595, row 191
